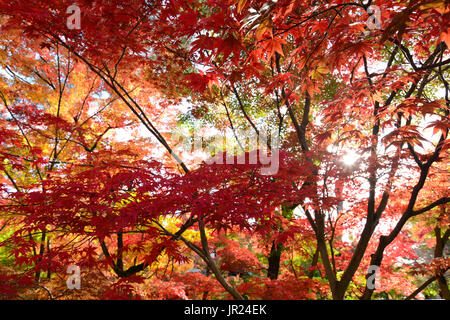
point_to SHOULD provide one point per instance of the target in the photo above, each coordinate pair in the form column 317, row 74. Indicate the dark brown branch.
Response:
column 441, row 201
column 419, row 289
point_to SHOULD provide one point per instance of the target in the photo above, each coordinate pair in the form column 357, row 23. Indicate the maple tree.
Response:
column 93, row 176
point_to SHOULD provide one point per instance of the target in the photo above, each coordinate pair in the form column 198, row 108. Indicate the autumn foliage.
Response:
column 350, row 104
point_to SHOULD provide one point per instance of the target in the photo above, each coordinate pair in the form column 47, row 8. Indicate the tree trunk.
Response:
column 275, row 251
column 444, row 292
column 274, row 260
column 438, row 252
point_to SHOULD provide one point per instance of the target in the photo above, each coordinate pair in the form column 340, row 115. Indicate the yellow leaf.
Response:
column 439, row 6
column 323, row 69
column 315, row 75
column 266, row 25
column 241, row 5
column 319, row 70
